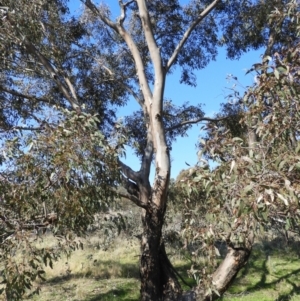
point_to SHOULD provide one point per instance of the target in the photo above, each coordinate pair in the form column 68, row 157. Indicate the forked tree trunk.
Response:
column 158, row 278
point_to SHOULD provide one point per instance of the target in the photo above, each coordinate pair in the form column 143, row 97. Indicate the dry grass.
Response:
column 93, row 274
column 120, row 260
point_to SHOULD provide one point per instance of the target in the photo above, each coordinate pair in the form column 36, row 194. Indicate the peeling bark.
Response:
column 235, row 260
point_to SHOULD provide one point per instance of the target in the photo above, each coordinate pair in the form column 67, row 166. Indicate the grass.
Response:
column 92, row 274
column 272, row 273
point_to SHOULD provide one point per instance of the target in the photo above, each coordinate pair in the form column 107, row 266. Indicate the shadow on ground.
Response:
column 272, row 267
column 114, row 294
column 125, row 270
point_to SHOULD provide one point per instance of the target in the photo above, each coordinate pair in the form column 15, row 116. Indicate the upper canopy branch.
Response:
column 118, row 27
column 193, row 122
column 66, row 87
column 71, row 97
column 22, row 128
column 188, row 32
column 98, row 13
column 151, row 42
column 139, row 65
column 138, row 99
column 29, row 97
column 123, row 10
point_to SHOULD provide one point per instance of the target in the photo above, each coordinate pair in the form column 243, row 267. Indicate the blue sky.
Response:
column 212, row 88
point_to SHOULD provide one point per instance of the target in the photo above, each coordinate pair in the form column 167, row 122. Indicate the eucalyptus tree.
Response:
column 255, row 186
column 61, row 79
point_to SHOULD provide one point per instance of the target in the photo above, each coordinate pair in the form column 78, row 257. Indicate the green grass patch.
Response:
column 272, row 273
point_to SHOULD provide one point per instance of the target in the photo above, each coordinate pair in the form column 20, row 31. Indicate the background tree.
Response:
column 61, row 79
column 255, row 185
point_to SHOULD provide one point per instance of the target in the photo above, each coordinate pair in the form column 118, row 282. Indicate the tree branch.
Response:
column 72, row 89
column 133, row 192
column 23, row 128
column 98, row 13
column 130, row 43
column 193, row 122
column 134, row 199
column 154, row 51
column 188, row 32
column 128, row 172
column 16, row 93
column 138, row 99
column 137, row 184
column 139, row 65
column 152, row 45
column 123, row 11
column 43, row 60
column 155, row 110
column 53, row 72
column 135, row 96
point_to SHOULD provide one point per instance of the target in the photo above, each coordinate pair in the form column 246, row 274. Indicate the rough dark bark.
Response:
column 171, row 287
column 150, row 271
column 158, row 277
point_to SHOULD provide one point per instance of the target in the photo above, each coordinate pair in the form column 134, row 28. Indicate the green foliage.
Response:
column 264, row 24
column 56, row 179
column 174, row 118
column 62, row 80
column 227, row 126
column 255, row 186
